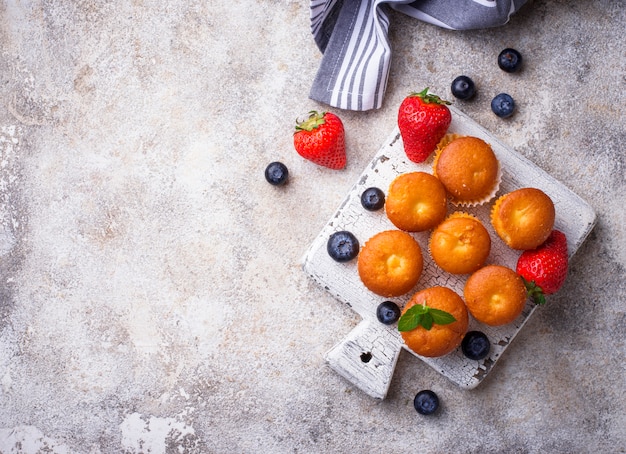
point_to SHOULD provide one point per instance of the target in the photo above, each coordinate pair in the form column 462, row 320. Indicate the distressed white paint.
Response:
column 351, row 357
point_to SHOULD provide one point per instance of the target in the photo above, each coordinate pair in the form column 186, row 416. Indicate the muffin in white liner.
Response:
column 469, row 170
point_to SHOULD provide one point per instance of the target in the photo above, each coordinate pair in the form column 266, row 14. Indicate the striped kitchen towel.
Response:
column 352, row 35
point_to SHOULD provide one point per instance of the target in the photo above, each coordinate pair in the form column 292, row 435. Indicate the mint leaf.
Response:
column 427, row 321
column 408, row 322
column 441, row 317
column 412, row 318
column 424, row 316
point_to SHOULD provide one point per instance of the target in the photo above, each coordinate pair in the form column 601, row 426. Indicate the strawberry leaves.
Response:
column 535, row 292
column 429, row 98
column 424, row 316
column 313, row 121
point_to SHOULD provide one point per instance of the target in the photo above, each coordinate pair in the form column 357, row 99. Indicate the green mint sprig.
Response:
column 424, row 316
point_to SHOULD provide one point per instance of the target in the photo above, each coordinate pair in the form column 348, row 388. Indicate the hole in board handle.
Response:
column 365, row 357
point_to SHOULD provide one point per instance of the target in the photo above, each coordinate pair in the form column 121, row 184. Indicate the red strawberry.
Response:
column 544, row 269
column 321, row 139
column 423, row 120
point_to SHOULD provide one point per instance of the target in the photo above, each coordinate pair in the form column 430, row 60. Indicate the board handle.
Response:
column 367, row 357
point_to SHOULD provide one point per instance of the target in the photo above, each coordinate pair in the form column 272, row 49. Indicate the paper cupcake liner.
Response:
column 495, row 207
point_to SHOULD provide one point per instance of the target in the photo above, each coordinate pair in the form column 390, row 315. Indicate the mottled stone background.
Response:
column 152, row 298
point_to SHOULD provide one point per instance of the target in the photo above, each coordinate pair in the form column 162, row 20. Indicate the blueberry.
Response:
column 342, row 246
column 475, row 345
column 276, row 173
column 463, row 88
column 503, row 105
column 387, row 312
column 509, row 60
column 373, row 199
column 426, row 402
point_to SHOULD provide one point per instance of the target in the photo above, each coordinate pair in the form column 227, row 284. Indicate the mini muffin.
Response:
column 495, row 295
column 416, row 201
column 460, row 244
column 440, row 339
column 468, row 169
column 390, row 263
column 523, row 218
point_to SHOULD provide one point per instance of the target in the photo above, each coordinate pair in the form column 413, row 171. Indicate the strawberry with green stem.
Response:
column 544, row 269
column 320, row 138
column 423, row 120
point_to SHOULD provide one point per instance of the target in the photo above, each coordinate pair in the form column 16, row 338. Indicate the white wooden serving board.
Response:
column 368, row 355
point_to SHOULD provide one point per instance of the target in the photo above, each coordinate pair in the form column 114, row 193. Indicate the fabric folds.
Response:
column 353, row 37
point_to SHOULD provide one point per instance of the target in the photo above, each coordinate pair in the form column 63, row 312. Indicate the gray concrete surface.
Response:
column 152, row 298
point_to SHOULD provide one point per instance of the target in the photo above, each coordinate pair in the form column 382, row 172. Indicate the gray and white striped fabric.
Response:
column 352, row 35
